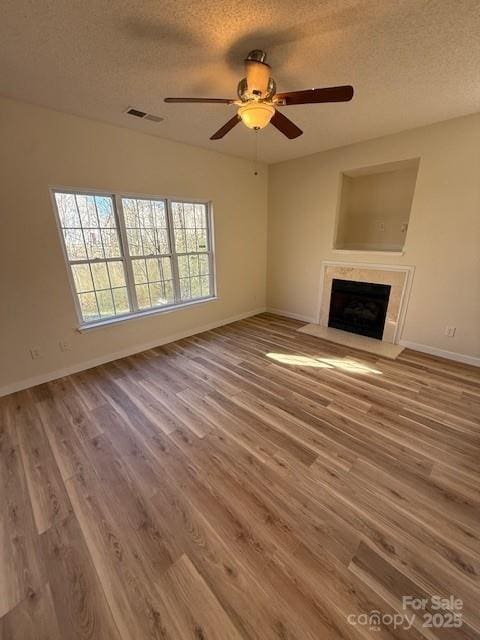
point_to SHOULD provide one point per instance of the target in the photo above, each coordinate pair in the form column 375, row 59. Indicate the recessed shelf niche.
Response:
column 374, row 207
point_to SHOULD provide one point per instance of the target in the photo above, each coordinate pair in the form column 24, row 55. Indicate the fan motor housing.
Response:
column 245, row 94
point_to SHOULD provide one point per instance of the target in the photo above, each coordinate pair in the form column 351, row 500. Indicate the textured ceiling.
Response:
column 412, row 62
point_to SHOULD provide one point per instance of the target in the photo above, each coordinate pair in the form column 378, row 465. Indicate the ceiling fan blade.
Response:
column 228, row 126
column 214, row 100
column 285, row 125
column 313, row 96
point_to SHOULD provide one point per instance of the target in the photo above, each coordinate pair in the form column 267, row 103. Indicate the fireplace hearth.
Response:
column 359, row 307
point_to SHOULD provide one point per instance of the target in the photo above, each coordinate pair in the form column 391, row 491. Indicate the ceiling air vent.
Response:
column 131, row 111
column 153, row 118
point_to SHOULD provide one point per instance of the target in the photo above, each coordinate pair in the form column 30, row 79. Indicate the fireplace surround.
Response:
column 397, row 277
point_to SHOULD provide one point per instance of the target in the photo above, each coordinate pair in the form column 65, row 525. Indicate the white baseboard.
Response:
column 442, row 353
column 289, row 314
column 82, row 366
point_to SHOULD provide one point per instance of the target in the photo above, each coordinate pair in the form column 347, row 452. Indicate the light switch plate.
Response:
column 64, row 345
column 35, row 353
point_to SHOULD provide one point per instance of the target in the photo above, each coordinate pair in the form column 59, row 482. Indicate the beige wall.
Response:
column 443, row 240
column 40, row 148
column 369, row 201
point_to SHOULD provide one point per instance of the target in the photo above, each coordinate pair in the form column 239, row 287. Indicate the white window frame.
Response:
column 127, row 259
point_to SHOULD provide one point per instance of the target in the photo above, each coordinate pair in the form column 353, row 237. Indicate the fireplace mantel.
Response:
column 399, row 278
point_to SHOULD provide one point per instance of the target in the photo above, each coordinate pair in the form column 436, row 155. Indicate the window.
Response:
column 129, row 255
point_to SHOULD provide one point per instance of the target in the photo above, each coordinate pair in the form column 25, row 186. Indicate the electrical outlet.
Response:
column 64, row 345
column 450, row 331
column 35, row 353
column 381, row 226
column 404, row 227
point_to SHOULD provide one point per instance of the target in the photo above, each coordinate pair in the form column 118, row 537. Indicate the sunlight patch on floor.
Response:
column 350, row 365
column 344, row 364
column 299, row 361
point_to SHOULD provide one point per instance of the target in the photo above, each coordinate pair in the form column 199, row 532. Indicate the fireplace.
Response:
column 359, row 307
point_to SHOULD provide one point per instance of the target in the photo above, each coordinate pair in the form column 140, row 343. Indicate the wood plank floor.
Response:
column 250, row 482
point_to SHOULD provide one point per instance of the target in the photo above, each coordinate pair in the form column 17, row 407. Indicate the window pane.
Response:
column 87, row 210
column 117, row 274
column 179, row 227
column 67, row 210
column 100, row 275
column 145, row 213
column 146, row 224
column 106, row 215
column 74, row 244
column 191, row 242
column 139, row 271
column 204, row 265
column 202, row 242
column 180, row 241
column 183, row 271
column 193, row 263
column 88, row 306
column 134, row 242
column 166, row 265
column 93, row 240
column 130, row 213
column 189, row 236
column 153, row 270
column 105, row 303
column 205, row 285
column 120, row 298
column 163, row 243
column 189, row 215
column 110, row 243
column 196, row 289
column 177, row 211
column 149, row 243
column 159, row 214
column 185, row 288
column 143, row 296
column 200, row 216
column 169, row 295
column 82, row 277
column 158, row 294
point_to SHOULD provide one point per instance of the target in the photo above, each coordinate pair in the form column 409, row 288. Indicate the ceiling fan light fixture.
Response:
column 256, row 115
column 258, row 99
column 258, row 76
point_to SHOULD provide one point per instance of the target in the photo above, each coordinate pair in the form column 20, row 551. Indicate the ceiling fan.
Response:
column 258, row 99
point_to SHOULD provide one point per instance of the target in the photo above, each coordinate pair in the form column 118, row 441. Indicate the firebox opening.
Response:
column 359, row 307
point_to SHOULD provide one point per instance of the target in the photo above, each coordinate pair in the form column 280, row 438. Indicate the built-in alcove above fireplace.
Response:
column 366, row 299
column 374, row 207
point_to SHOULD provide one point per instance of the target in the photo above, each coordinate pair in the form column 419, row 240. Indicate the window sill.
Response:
column 98, row 324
